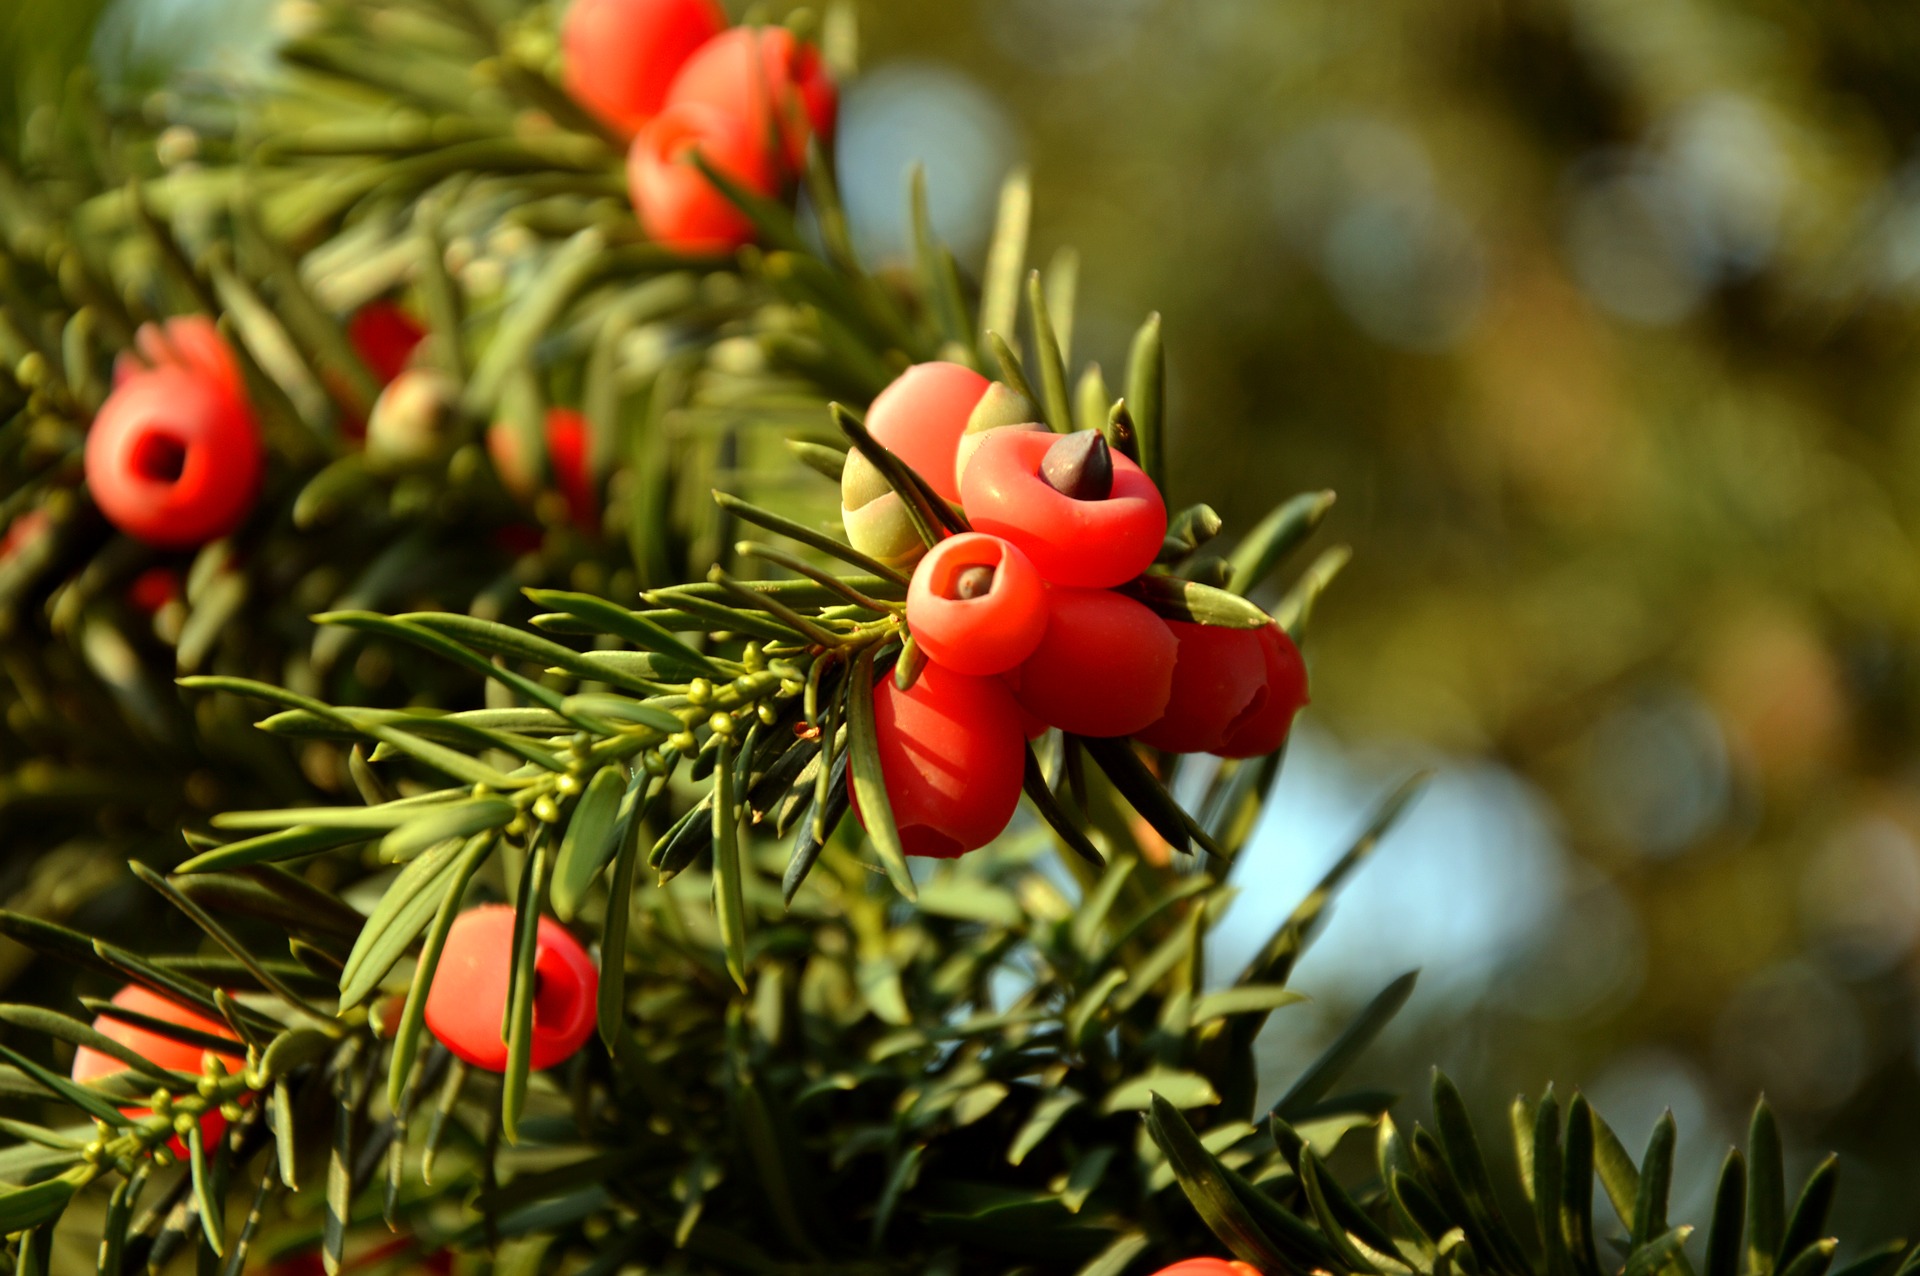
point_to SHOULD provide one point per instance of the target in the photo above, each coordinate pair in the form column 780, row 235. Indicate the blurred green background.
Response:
column 1601, row 317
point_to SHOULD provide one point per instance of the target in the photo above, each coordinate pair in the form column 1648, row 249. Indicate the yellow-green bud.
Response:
column 875, row 516
column 411, row 419
column 545, row 811
column 1001, row 408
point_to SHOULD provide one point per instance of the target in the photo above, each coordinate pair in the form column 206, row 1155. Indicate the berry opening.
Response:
column 556, row 1000
column 973, row 582
column 159, row 458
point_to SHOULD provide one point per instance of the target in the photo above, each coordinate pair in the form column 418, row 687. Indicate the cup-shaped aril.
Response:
column 1209, row 1267
column 467, row 1003
column 676, row 203
column 385, row 337
column 173, row 457
column 176, row 1056
column 1263, row 725
column 1215, row 679
column 619, row 57
column 1092, row 543
column 976, row 605
column 769, row 80
column 1103, row 668
column 952, row 756
column 921, row 415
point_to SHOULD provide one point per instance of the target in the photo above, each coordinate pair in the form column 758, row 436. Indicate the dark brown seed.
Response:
column 1080, row 466
column 973, row 582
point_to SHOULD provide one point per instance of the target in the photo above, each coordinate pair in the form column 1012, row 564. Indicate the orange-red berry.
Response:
column 1215, row 679
column 173, row 457
column 1209, row 1267
column 1083, row 539
column 952, row 755
column 468, row 1000
column 176, row 1056
column 620, row 56
column 766, row 78
column 568, row 438
column 1103, row 668
column 976, row 605
column 921, row 416
column 385, row 337
column 676, row 204
column 1263, row 725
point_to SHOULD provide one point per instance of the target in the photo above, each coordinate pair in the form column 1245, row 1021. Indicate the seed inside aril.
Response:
column 1080, row 466
column 973, row 582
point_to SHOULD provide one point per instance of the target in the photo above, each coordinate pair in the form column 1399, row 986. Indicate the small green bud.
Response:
column 411, row 419
column 700, row 690
column 753, row 658
column 1001, row 408
column 722, row 724
column 545, row 811
column 684, row 741
column 568, row 785
column 767, row 714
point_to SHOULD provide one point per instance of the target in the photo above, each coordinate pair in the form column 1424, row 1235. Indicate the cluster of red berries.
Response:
column 670, row 76
column 1021, row 620
column 174, row 457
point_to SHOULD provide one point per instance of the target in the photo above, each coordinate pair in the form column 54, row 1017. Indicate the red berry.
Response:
column 1208, row 1267
column 1216, row 677
column 761, row 75
column 154, row 588
column 677, row 205
column 621, row 55
column 920, row 417
column 1104, row 668
column 976, row 605
column 1095, row 543
column 567, row 440
column 953, row 757
column 468, row 1000
column 24, row 531
column 187, row 341
column 89, row 1064
column 384, row 336
column 174, row 456
column 1263, row 725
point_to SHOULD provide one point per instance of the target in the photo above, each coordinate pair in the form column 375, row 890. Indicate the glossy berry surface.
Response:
column 1215, row 679
column 176, row 1056
column 1209, row 1267
column 567, row 441
column 1263, row 725
column 468, row 1000
column 1093, row 543
column 952, row 755
column 173, row 457
column 1103, row 668
column 921, row 415
column 676, row 204
column 760, row 76
column 385, row 337
column 976, row 605
column 620, row 56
